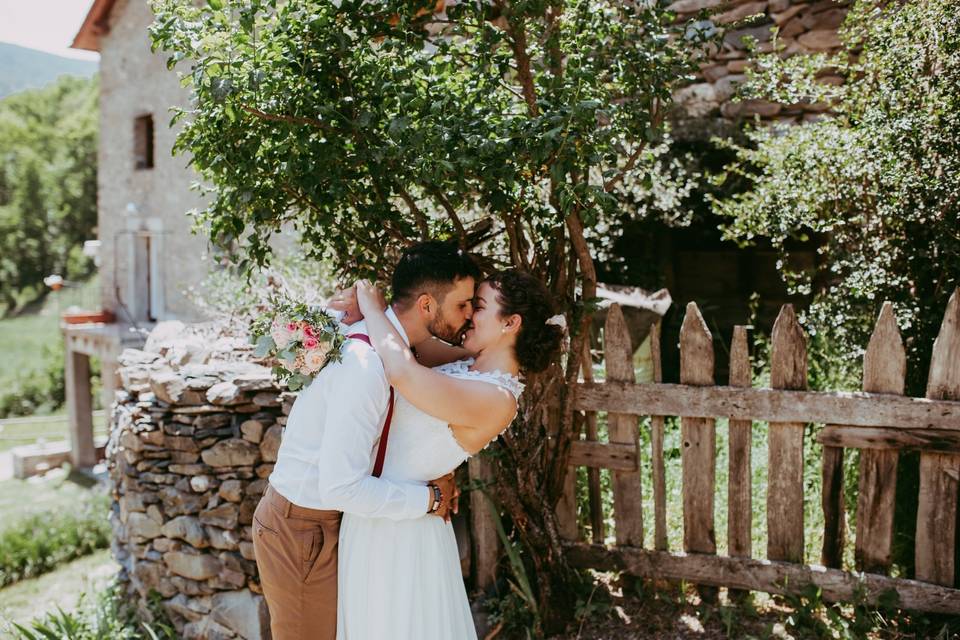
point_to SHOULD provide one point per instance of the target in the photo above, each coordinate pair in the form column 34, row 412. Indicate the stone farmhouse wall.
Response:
column 195, row 432
column 805, row 26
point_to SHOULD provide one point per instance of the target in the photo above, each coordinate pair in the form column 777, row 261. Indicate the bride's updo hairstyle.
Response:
column 521, row 293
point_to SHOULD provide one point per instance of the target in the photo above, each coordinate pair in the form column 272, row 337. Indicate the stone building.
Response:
column 143, row 191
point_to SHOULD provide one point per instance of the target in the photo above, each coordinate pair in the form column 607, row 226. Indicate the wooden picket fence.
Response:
column 880, row 421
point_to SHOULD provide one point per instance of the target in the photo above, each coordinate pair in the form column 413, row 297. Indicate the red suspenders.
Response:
column 382, row 449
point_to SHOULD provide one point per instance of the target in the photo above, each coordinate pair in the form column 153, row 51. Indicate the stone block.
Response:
column 270, row 444
column 740, row 12
column 188, row 529
column 192, row 566
column 180, row 443
column 224, row 516
column 230, row 453
column 177, row 503
column 167, row 385
column 820, row 40
column 246, row 550
column 201, row 484
column 223, row 539
column 691, row 6
column 140, row 525
column 243, row 612
column 252, row 430
column 231, row 490
column 206, row 629
column 225, row 393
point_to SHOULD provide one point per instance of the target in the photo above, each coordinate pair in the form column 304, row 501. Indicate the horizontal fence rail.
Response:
column 771, row 405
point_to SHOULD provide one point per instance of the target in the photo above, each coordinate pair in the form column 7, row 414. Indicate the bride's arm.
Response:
column 471, row 404
column 433, row 352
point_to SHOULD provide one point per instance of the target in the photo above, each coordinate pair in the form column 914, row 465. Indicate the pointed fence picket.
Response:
column 880, row 421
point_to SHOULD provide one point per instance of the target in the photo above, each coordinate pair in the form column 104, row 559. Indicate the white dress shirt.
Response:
column 329, row 444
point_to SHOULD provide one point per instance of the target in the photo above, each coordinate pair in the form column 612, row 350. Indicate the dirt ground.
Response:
column 672, row 612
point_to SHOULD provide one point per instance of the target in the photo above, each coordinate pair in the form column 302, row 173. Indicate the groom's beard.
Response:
column 440, row 328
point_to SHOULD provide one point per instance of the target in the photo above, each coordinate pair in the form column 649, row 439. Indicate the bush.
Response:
column 44, row 390
column 877, row 181
column 40, row 542
column 107, row 616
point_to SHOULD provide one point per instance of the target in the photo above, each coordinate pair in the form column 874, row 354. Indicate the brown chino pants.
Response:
column 296, row 551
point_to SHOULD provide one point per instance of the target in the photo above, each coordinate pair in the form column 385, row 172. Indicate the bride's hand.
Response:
column 346, row 300
column 369, row 297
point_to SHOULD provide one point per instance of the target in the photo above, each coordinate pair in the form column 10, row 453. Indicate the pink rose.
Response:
column 311, row 343
column 309, row 331
column 292, row 327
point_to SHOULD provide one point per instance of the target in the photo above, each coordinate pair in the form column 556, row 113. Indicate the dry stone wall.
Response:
column 805, row 26
column 195, row 432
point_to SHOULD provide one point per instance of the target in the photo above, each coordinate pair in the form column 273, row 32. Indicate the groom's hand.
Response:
column 449, row 503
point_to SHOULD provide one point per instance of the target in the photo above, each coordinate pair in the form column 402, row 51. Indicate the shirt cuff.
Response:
column 418, row 502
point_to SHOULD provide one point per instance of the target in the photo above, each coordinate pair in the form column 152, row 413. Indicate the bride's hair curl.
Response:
column 538, row 341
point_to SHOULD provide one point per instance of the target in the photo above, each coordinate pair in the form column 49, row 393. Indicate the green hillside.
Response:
column 22, row 68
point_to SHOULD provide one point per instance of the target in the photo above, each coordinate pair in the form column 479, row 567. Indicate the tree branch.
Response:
column 274, row 117
column 518, row 42
column 452, row 214
column 417, row 213
column 632, row 160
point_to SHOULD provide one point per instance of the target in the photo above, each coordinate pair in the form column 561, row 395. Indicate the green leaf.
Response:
column 265, row 344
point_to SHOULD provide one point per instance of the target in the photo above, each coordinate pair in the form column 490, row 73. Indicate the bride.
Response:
column 401, row 579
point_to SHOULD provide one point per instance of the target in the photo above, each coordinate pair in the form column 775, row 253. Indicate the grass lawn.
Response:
column 23, row 337
column 27, row 599
column 54, row 491
column 17, row 431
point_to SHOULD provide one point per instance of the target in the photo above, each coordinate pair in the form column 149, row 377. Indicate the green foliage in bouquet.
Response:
column 301, row 339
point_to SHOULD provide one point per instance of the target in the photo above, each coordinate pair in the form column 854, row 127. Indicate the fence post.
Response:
column 656, row 453
column 940, row 473
column 594, row 493
column 623, row 428
column 788, row 370
column 699, row 442
column 884, row 370
column 739, row 488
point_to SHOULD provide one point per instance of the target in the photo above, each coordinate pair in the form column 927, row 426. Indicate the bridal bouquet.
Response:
column 299, row 338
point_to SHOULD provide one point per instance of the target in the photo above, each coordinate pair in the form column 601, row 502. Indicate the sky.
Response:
column 47, row 25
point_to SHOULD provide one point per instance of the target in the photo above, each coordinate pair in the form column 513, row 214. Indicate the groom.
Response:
column 325, row 460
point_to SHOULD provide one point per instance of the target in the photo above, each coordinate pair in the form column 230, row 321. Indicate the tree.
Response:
column 878, row 180
column 48, row 184
column 512, row 125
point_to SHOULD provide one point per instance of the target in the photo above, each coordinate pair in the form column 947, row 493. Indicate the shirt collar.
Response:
column 396, row 323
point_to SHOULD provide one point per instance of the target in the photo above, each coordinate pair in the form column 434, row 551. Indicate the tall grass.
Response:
column 104, row 616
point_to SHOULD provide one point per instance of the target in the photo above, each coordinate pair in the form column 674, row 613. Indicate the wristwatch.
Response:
column 437, row 498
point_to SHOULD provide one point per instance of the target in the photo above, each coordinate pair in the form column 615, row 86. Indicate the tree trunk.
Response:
column 531, row 469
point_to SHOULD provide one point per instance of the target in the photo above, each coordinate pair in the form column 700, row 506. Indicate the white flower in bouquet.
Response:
column 280, row 333
column 314, row 359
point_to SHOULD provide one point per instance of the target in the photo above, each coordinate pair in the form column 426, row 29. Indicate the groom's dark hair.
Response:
column 431, row 267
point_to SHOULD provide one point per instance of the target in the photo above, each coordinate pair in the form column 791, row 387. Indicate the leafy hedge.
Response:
column 40, row 542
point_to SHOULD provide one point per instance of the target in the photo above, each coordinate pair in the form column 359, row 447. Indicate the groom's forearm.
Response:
column 379, row 498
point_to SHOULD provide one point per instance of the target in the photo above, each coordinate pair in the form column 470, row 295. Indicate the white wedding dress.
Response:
column 401, row 580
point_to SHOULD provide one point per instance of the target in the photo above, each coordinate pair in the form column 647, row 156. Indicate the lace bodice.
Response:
column 422, row 447
column 461, row 369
